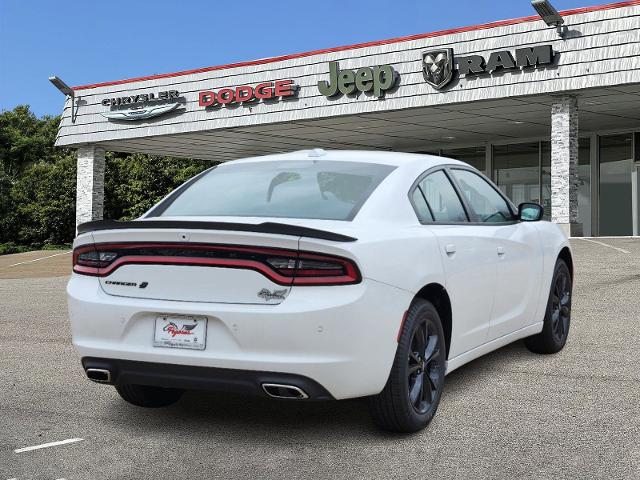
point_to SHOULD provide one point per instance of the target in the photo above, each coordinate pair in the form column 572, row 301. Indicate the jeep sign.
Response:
column 377, row 80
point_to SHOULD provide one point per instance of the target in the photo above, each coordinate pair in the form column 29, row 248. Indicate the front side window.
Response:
column 486, row 203
column 318, row 189
column 441, row 198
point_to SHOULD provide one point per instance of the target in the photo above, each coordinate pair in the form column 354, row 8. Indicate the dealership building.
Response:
column 550, row 113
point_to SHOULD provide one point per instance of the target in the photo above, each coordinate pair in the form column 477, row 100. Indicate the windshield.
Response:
column 317, row 189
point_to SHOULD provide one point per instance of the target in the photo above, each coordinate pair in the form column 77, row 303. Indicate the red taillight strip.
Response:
column 301, row 277
column 193, row 262
column 282, row 252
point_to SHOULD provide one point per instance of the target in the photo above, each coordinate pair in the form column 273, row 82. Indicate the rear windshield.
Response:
column 317, row 189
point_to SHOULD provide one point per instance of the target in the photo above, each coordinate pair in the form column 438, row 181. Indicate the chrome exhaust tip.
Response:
column 99, row 375
column 290, row 392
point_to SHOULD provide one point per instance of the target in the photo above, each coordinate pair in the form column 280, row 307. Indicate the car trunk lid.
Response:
column 196, row 261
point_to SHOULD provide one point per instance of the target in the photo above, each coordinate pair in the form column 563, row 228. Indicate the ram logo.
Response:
column 437, row 66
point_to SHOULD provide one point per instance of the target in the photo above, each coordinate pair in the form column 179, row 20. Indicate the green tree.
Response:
column 6, row 207
column 26, row 139
column 44, row 203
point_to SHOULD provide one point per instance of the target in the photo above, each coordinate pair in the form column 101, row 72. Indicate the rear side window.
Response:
column 316, row 189
column 421, row 206
column 443, row 202
column 487, row 204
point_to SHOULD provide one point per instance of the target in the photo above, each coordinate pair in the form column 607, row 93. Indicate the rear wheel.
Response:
column 411, row 396
column 148, row 396
column 555, row 330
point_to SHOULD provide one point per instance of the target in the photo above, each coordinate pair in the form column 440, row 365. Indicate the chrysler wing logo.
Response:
column 140, row 112
column 437, row 66
column 275, row 295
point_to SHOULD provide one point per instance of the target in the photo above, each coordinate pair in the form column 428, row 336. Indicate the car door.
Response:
column 516, row 246
column 468, row 256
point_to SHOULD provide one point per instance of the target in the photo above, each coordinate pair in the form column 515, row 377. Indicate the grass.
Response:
column 10, row 247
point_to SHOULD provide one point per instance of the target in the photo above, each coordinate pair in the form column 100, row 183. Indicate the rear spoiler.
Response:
column 266, row 227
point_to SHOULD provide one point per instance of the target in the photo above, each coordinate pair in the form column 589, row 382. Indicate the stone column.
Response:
column 90, row 184
column 564, row 164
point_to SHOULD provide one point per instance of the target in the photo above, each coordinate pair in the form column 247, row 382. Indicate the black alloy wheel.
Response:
column 412, row 393
column 425, row 374
column 557, row 320
column 561, row 306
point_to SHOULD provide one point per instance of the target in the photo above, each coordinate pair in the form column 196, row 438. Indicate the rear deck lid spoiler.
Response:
column 266, row 227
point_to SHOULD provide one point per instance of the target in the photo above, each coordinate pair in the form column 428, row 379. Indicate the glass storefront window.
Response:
column 615, row 203
column 474, row 156
column 545, row 177
column 516, row 170
column 584, row 186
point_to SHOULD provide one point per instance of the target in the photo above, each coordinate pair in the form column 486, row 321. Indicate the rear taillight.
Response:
column 284, row 267
column 315, row 269
column 90, row 261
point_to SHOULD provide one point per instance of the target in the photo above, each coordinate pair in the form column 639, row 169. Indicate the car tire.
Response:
column 148, row 396
column 412, row 393
column 557, row 319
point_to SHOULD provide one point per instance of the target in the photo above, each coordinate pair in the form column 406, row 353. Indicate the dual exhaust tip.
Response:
column 278, row 390
column 274, row 390
column 99, row 375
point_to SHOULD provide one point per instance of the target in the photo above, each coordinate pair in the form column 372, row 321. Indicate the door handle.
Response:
column 500, row 251
column 450, row 249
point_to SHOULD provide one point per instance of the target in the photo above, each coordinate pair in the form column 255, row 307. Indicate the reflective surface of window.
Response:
column 616, row 164
column 486, row 203
column 444, row 203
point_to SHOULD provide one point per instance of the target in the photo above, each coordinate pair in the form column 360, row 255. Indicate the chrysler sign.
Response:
column 141, row 106
column 438, row 65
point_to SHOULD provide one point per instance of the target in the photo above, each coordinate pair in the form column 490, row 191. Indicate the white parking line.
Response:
column 47, row 445
column 38, row 259
column 622, row 250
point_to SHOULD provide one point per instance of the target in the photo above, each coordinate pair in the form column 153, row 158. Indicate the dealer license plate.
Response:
column 180, row 332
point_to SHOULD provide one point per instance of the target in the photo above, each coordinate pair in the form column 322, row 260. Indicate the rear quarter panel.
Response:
column 407, row 258
column 553, row 239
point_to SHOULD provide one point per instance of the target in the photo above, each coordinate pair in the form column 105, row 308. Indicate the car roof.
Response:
column 396, row 159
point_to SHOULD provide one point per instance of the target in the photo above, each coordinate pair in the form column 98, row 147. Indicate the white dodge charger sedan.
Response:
column 318, row 275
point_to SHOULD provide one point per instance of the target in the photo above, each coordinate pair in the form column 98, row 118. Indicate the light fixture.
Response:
column 68, row 91
column 549, row 15
column 60, row 85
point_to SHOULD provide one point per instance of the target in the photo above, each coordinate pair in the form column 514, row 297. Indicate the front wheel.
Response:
column 411, row 396
column 148, row 396
column 555, row 330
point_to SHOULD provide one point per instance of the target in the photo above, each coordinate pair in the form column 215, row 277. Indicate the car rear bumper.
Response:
column 342, row 338
column 250, row 382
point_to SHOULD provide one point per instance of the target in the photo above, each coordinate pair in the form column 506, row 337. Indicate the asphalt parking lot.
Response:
column 511, row 414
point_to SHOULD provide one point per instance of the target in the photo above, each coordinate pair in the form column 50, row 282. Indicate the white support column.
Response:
column 90, row 184
column 564, row 164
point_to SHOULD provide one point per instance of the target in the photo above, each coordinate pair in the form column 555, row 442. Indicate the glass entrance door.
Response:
column 616, row 201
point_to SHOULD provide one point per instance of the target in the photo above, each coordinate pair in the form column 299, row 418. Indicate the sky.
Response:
column 92, row 41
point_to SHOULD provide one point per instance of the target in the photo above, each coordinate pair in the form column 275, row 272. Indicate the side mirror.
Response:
column 530, row 212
